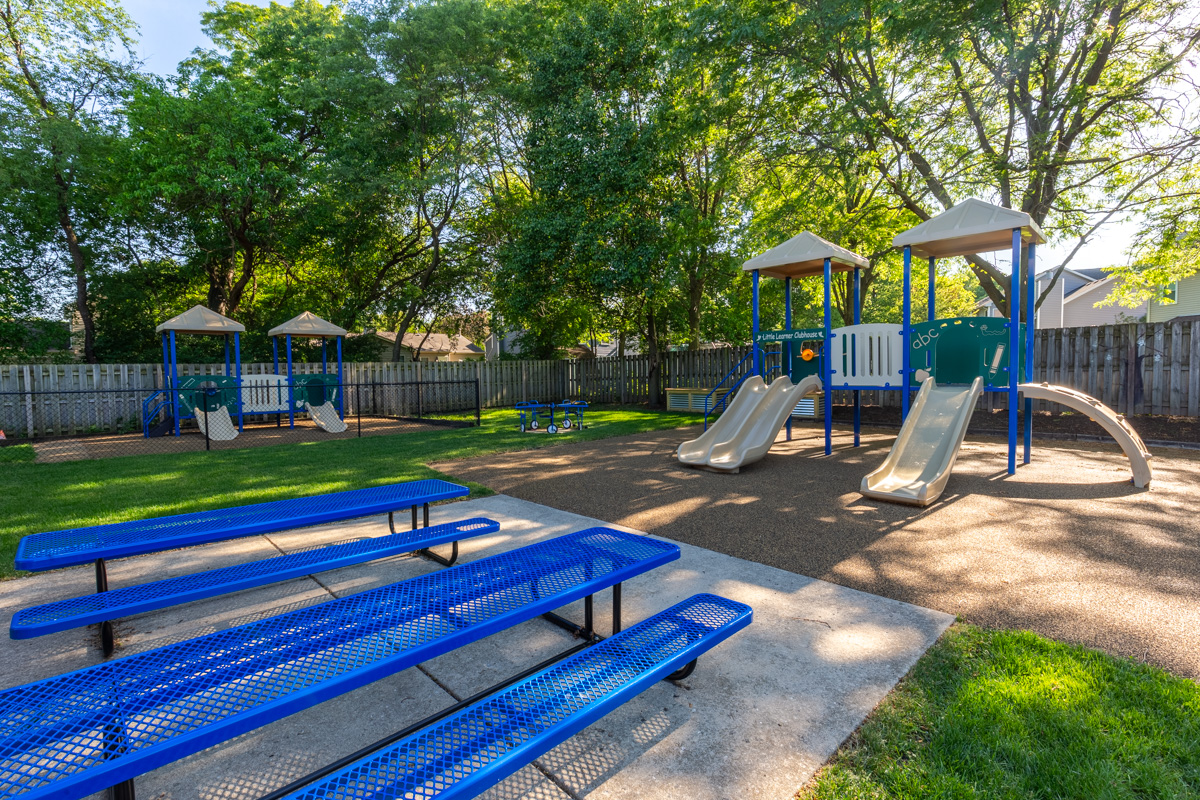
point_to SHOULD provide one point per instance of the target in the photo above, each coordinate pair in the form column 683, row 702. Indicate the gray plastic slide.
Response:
column 1135, row 449
column 916, row 470
column 747, row 430
column 326, row 417
column 217, row 425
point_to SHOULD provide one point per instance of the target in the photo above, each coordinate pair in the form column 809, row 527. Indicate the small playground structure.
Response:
column 558, row 416
column 321, row 396
column 948, row 363
column 220, row 404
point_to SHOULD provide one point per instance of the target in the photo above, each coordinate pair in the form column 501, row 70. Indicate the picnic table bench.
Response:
column 490, row 739
column 107, row 606
column 70, row 735
column 97, row 543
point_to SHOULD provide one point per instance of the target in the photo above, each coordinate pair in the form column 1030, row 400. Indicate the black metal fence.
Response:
column 215, row 415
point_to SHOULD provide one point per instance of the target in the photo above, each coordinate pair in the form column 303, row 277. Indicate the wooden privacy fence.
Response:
column 1135, row 369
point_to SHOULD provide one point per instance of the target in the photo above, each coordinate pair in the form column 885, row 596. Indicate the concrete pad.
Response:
column 760, row 714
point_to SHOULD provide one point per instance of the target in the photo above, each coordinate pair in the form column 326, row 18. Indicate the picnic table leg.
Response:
column 107, row 639
column 616, row 608
column 586, row 630
column 122, row 791
column 445, row 562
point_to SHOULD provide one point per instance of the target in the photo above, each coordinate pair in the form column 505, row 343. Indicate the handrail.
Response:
column 709, row 406
column 148, row 415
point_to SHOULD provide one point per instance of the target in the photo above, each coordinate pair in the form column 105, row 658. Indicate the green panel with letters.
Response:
column 960, row 349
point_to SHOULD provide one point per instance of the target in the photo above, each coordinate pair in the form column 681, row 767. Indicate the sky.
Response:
column 170, row 31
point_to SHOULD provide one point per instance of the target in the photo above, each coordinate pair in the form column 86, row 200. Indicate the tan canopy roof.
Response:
column 201, row 320
column 307, row 324
column 970, row 227
column 803, row 254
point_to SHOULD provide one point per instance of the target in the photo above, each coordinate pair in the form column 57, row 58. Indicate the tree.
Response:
column 65, row 69
column 591, row 241
column 230, row 147
column 1061, row 108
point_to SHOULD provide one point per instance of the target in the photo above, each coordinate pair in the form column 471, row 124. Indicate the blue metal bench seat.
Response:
column 65, row 548
column 481, row 745
column 76, row 612
column 71, row 735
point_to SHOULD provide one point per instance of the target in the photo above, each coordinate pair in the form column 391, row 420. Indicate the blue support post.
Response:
column 827, row 377
column 857, row 321
column 341, row 389
column 237, row 355
column 787, row 346
column 291, row 393
column 1030, row 329
column 756, row 359
column 1014, row 348
column 174, row 384
column 932, row 309
column 906, row 329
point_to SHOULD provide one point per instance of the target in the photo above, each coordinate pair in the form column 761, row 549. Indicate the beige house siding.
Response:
column 1050, row 314
column 1187, row 302
column 385, row 343
column 1080, row 309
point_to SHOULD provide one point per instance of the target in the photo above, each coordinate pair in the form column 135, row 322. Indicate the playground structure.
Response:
column 216, row 401
column 531, row 415
column 319, row 395
column 949, row 362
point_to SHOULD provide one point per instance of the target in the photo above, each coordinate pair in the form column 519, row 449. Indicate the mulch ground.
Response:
column 1067, row 547
column 79, row 448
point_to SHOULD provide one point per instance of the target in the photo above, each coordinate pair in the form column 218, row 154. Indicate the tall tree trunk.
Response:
column 79, row 264
column 695, row 298
column 652, row 345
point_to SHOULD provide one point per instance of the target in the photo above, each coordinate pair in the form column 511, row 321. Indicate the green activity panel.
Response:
column 960, row 349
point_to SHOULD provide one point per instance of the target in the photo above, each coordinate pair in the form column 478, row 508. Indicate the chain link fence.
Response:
column 214, row 413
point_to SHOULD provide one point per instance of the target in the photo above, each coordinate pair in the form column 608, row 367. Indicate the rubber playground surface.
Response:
column 1066, row 548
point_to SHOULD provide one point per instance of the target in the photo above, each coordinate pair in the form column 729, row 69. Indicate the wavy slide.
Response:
column 747, row 429
column 217, row 425
column 325, row 417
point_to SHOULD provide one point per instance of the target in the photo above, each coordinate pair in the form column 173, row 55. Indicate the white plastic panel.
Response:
column 867, row 355
column 264, row 393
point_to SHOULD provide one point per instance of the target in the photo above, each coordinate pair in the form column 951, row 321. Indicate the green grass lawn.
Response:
column 1006, row 714
column 40, row 497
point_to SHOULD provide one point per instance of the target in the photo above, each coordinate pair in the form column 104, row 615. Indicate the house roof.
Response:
column 970, row 227
column 201, row 320
column 803, row 254
column 307, row 324
column 435, row 343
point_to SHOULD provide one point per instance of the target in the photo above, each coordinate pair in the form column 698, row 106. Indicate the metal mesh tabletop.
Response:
column 72, row 546
column 481, row 745
column 78, row 611
column 73, row 734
